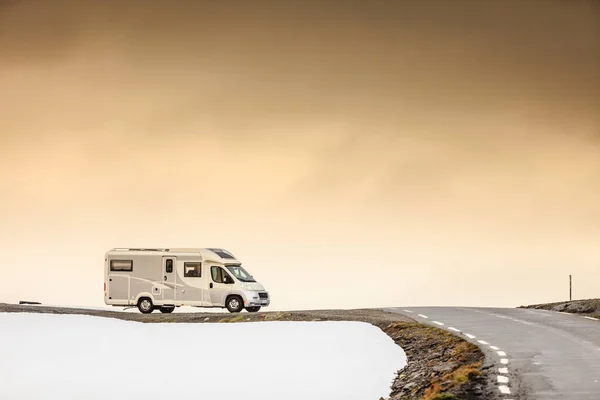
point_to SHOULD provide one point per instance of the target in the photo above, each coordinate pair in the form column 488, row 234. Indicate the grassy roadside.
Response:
column 453, row 365
column 585, row 307
column 440, row 366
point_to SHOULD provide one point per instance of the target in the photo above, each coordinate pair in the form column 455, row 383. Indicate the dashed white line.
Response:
column 504, row 389
column 408, row 311
column 592, row 318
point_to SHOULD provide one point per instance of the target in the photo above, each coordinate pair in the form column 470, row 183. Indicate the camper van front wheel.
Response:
column 145, row 305
column 235, row 304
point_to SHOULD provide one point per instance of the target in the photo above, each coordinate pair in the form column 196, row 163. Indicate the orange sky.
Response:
column 352, row 154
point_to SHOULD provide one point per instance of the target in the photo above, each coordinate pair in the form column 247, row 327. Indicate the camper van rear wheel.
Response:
column 145, row 305
column 235, row 304
column 167, row 310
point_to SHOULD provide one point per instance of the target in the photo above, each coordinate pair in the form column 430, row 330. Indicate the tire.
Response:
column 145, row 305
column 167, row 310
column 234, row 304
column 253, row 309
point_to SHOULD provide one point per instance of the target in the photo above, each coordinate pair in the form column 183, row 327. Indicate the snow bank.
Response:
column 75, row 356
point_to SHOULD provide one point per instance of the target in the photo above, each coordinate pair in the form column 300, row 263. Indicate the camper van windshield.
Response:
column 240, row 273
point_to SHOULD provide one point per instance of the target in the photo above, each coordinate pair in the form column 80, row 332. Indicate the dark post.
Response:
column 570, row 289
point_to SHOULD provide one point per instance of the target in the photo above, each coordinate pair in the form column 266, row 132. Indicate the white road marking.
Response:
column 408, row 311
column 592, row 318
column 501, row 378
column 513, row 319
column 504, row 389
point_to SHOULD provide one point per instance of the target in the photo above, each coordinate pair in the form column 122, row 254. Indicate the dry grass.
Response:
column 463, row 374
column 237, row 318
column 433, row 392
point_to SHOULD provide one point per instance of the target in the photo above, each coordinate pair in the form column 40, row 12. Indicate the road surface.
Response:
column 535, row 354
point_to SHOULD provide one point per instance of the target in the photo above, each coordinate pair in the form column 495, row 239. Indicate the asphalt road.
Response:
column 535, row 354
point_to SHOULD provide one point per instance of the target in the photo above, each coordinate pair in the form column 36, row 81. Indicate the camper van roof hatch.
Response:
column 140, row 249
column 222, row 253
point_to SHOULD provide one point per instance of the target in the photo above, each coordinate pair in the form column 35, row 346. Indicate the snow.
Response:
column 77, row 356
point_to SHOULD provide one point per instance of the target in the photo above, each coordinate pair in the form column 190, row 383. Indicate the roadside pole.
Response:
column 570, row 289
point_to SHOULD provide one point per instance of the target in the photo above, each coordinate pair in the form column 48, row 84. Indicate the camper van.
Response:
column 163, row 279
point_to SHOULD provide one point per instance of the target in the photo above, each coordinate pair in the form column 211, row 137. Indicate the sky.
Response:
column 352, row 154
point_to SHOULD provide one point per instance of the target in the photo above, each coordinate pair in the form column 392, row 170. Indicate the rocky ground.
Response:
column 587, row 307
column 440, row 364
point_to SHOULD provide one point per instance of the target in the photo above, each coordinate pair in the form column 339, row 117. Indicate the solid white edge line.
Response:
column 438, row 323
column 502, row 379
column 503, row 370
column 592, row 318
column 483, row 342
column 501, row 354
column 422, row 316
column 504, row 389
column 454, row 329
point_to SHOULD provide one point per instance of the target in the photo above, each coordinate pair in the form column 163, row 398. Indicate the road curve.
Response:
column 535, row 354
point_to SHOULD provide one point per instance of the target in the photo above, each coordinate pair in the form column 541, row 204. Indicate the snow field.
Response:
column 76, row 356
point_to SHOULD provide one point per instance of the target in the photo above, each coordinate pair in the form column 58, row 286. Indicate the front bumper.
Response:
column 254, row 299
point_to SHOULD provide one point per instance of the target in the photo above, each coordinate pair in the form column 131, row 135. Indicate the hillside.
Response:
column 586, row 307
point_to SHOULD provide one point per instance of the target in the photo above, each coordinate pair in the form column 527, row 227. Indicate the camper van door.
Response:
column 169, row 278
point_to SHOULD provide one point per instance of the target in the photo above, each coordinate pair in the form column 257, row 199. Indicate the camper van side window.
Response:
column 217, row 274
column 169, row 266
column 192, row 269
column 121, row 265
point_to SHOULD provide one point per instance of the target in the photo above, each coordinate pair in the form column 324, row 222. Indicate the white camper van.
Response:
column 167, row 278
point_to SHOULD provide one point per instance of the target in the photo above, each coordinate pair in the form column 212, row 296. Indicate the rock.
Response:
column 579, row 308
column 445, row 367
